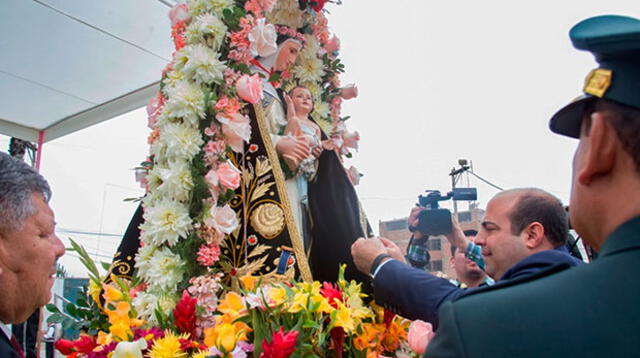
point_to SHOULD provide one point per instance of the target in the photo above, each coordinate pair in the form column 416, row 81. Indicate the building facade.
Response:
column 397, row 230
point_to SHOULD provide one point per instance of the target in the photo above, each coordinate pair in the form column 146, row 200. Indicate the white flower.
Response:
column 263, row 39
column 203, row 65
column 176, row 180
column 181, row 142
column 223, row 219
column 147, row 302
column 165, row 270
column 126, row 349
column 286, row 12
column 143, row 259
column 186, row 101
column 198, row 7
column 165, row 222
column 309, row 69
column 320, row 111
column 207, row 27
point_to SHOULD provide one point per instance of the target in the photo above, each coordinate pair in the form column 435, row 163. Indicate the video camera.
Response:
column 435, row 220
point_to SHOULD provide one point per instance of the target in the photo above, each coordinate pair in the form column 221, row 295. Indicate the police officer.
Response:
column 590, row 310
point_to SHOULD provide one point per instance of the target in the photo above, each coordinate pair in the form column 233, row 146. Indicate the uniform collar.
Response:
column 6, row 329
column 625, row 237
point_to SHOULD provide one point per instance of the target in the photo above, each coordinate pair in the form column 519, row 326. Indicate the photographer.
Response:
column 519, row 235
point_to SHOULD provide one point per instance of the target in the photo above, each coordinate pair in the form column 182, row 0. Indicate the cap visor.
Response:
column 567, row 120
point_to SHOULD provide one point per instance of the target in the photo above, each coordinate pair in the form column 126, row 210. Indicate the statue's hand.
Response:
column 291, row 109
column 293, row 150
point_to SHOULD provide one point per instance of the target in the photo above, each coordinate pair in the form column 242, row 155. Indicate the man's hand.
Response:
column 413, row 221
column 456, row 236
column 393, row 250
column 364, row 251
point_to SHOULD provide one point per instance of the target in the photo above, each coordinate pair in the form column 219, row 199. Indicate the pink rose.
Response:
column 349, row 92
column 179, row 13
column 420, row 334
column 228, row 175
column 354, row 175
column 236, row 131
column 333, row 44
column 222, row 219
column 351, row 140
column 212, row 178
column 250, row 88
column 263, row 39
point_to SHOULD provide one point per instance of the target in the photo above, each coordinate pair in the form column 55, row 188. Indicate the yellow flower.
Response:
column 278, row 295
column 322, row 303
column 232, row 305
column 199, row 354
column 225, row 335
column 94, row 292
column 300, row 300
column 119, row 320
column 111, row 294
column 342, row 318
column 104, row 338
column 167, row 347
column 248, row 282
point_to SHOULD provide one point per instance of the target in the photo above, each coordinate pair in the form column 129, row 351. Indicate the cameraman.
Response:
column 519, row 235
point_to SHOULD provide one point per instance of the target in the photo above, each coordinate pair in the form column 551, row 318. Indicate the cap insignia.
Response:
column 597, row 82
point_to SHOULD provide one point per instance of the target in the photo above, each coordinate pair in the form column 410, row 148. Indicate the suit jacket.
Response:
column 6, row 349
column 416, row 294
column 586, row 311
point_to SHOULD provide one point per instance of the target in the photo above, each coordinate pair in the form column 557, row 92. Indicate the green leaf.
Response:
column 52, row 308
column 105, row 266
column 56, row 318
column 71, row 309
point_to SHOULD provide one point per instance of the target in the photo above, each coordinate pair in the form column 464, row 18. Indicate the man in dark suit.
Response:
column 520, row 235
column 29, row 247
column 591, row 310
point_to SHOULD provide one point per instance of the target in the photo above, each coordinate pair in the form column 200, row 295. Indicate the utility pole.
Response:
column 455, row 175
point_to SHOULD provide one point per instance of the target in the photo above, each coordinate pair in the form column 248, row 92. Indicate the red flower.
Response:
column 64, row 346
column 331, row 293
column 316, row 5
column 185, row 314
column 84, row 344
column 281, row 346
column 388, row 317
column 337, row 340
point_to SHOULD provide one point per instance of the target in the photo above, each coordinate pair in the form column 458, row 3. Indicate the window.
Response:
column 396, row 225
column 434, row 244
column 435, row 265
column 464, row 216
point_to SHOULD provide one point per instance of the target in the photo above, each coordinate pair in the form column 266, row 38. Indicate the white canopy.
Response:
column 68, row 64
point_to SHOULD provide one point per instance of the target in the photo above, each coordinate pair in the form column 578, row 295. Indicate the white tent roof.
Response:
column 68, row 64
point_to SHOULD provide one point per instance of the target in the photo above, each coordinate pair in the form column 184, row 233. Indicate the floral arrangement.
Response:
column 181, row 303
column 198, row 120
column 268, row 321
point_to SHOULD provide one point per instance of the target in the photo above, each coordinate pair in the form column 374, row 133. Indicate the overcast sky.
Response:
column 438, row 81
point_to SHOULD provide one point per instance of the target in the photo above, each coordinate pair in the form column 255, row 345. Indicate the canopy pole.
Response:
column 39, row 150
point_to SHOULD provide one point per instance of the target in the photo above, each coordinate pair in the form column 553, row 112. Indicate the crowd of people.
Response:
column 544, row 302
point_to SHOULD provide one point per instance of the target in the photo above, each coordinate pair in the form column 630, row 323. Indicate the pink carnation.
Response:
column 208, row 255
column 229, row 106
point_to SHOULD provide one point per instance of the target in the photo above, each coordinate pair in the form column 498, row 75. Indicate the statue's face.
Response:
column 302, row 100
column 288, row 54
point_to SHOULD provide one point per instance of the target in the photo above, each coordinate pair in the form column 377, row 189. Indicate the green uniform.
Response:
column 586, row 311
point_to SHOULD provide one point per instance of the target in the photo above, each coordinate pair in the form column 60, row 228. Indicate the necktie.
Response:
column 16, row 346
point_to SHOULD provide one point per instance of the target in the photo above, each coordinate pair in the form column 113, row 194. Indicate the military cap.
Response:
column 615, row 43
